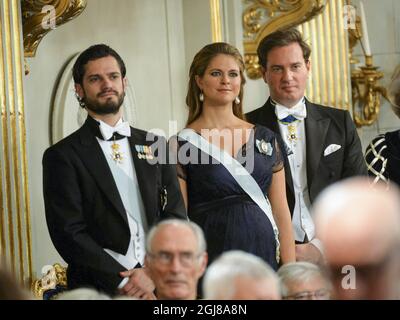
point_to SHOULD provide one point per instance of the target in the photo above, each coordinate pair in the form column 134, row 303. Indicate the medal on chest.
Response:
column 116, row 154
column 144, row 152
column 292, row 135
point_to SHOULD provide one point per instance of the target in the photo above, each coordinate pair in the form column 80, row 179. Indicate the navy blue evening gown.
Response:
column 229, row 218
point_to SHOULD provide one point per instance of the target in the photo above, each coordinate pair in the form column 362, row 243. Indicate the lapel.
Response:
column 316, row 127
column 146, row 175
column 271, row 121
column 268, row 118
column 93, row 157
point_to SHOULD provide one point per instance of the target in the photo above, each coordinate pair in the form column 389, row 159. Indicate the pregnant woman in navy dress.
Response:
column 214, row 199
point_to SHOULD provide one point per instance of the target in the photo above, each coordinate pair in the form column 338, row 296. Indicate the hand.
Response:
column 308, row 252
column 139, row 285
column 149, row 296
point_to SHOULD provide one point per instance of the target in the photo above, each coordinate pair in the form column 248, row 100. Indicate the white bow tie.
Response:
column 298, row 111
column 107, row 131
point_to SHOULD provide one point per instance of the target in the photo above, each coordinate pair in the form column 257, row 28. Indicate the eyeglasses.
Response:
column 186, row 259
column 322, row 294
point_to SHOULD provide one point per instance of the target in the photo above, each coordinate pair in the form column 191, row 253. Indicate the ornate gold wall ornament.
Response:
column 355, row 36
column 262, row 17
column 366, row 93
column 34, row 21
column 55, row 275
column 365, row 90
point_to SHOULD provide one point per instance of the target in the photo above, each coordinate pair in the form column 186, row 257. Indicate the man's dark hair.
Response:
column 281, row 38
column 95, row 52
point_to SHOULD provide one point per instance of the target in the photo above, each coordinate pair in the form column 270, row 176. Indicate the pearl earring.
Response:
column 201, row 97
column 237, row 100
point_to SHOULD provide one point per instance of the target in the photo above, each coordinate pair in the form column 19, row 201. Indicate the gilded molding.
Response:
column 24, row 219
column 33, row 18
column 55, row 276
column 15, row 239
column 2, row 120
column 216, row 20
column 261, row 17
column 329, row 83
column 7, row 119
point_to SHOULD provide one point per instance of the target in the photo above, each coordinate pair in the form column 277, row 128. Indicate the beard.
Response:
column 108, row 107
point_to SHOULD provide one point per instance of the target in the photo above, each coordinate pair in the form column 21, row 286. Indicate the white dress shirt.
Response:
column 302, row 222
column 137, row 227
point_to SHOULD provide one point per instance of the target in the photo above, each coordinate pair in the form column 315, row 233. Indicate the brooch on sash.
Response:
column 264, row 147
column 144, row 152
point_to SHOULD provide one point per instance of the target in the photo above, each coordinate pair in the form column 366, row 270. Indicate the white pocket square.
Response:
column 331, row 148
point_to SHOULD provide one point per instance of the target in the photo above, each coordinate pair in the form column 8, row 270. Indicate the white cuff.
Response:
column 318, row 244
column 123, row 282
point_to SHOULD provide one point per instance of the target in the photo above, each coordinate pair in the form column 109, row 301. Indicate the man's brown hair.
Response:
column 281, row 38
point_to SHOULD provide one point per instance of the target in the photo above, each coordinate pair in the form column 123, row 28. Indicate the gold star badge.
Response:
column 292, row 136
column 116, row 153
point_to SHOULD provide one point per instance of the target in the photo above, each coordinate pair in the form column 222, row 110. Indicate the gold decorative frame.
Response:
column 56, row 275
column 366, row 89
column 216, row 24
column 32, row 17
column 262, row 17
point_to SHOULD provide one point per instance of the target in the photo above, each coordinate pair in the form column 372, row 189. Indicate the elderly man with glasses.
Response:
column 176, row 258
column 303, row 281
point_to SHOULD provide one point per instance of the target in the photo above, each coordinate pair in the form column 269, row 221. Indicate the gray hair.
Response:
column 298, row 272
column 82, row 294
column 220, row 276
column 198, row 232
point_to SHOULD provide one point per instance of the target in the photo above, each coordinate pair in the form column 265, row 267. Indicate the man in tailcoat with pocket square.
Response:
column 320, row 144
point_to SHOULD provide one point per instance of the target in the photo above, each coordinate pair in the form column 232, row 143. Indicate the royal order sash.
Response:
column 238, row 172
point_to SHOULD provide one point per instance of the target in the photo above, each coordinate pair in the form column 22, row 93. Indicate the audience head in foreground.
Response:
column 359, row 226
column 303, row 281
column 83, row 294
column 176, row 258
column 10, row 288
column 237, row 275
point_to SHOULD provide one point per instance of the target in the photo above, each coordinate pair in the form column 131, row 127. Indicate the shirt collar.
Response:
column 298, row 110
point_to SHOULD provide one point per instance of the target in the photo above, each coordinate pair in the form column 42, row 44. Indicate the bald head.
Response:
column 359, row 225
